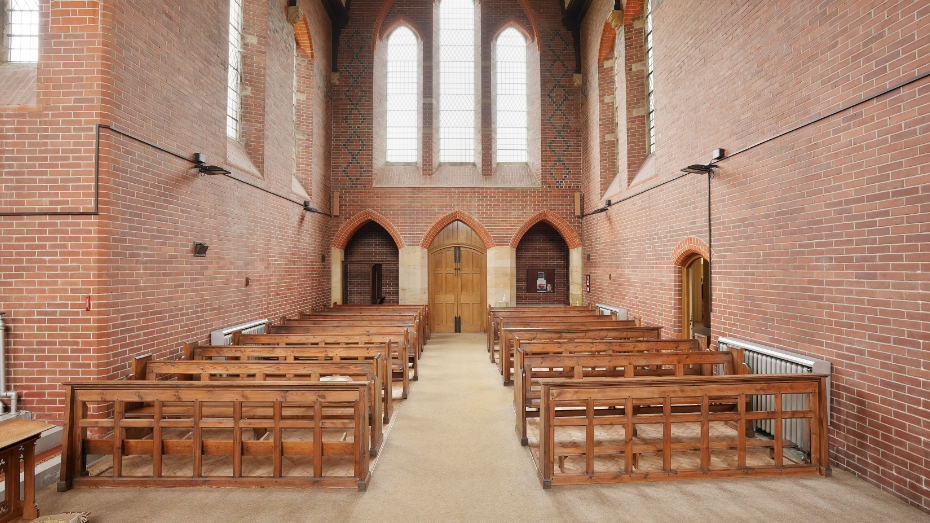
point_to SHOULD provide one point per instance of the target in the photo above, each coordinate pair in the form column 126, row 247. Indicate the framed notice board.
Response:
column 540, row 280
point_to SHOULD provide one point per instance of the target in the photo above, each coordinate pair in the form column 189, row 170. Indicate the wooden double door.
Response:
column 458, row 280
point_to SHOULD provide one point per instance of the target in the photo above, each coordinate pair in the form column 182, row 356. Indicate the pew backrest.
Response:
column 374, row 352
column 236, row 404
column 509, row 335
column 612, row 402
column 533, row 367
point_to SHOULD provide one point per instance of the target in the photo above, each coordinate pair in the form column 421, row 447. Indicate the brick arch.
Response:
column 516, row 24
column 397, row 22
column 557, row 222
column 349, row 228
column 688, row 247
column 302, row 35
column 533, row 23
column 386, row 6
column 608, row 40
column 463, row 217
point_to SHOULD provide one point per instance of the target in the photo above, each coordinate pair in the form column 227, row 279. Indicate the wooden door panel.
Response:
column 443, row 296
column 458, row 288
column 473, row 289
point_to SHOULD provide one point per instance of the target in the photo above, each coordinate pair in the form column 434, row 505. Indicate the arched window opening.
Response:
column 510, row 61
column 457, row 81
column 650, row 79
column 402, row 96
column 234, row 74
column 23, row 31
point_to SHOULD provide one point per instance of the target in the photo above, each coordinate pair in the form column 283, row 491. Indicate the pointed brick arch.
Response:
column 688, row 247
column 516, row 24
column 399, row 21
column 557, row 222
column 302, row 35
column 463, row 217
column 349, row 228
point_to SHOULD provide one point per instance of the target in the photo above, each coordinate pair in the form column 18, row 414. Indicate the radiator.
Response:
column 605, row 310
column 767, row 360
column 224, row 336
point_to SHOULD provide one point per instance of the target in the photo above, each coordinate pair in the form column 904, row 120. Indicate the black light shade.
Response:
column 210, row 169
column 699, row 169
column 200, row 249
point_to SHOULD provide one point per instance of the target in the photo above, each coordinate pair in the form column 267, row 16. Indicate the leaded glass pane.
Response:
column 23, row 31
column 402, row 96
column 457, row 81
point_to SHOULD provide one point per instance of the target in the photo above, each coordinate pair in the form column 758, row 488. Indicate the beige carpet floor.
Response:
column 453, row 456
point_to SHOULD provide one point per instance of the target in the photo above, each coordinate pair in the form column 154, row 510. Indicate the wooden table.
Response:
column 18, row 442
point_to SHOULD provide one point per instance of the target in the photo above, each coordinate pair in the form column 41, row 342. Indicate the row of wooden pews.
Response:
column 600, row 400
column 305, row 405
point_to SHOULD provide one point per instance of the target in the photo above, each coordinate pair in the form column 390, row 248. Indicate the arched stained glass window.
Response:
column 510, row 62
column 402, row 96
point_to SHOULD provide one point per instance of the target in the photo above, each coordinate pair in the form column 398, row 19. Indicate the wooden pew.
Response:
column 406, row 334
column 498, row 312
column 146, row 368
column 202, row 408
column 355, row 315
column 652, row 362
column 410, row 323
column 336, row 353
column 398, row 355
column 576, row 322
column 510, row 335
column 418, row 317
column 422, row 311
column 615, row 401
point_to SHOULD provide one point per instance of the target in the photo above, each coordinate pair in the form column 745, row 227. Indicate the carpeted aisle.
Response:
column 453, row 455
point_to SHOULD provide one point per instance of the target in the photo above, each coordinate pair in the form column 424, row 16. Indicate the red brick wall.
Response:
column 818, row 236
column 50, row 264
column 372, row 244
column 165, row 82
column 542, row 248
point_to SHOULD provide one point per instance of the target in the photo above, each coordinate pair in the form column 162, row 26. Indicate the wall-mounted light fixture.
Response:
column 200, row 163
column 313, row 209
column 699, row 169
column 200, row 249
column 600, row 210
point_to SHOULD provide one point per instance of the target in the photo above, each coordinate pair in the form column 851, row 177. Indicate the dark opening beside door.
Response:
column 377, row 284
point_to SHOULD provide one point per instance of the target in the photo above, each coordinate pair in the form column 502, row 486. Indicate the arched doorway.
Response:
column 695, row 297
column 542, row 267
column 370, row 269
column 457, row 279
